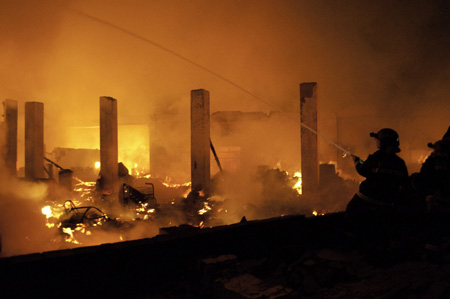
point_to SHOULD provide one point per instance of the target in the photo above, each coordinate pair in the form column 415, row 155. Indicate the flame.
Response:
column 205, row 208
column 315, row 213
column 47, row 211
column 69, row 238
column 97, row 165
column 298, row 185
column 139, row 171
column 51, row 215
column 172, row 185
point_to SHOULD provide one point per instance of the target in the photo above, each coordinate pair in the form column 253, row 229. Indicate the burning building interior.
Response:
column 231, row 191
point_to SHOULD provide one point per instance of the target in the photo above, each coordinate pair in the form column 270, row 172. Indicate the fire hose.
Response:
column 210, row 71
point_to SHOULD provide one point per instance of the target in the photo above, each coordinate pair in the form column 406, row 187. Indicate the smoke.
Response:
column 22, row 225
column 386, row 55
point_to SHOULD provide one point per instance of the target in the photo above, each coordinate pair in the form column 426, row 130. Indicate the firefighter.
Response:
column 433, row 178
column 385, row 174
column 371, row 208
column 433, row 182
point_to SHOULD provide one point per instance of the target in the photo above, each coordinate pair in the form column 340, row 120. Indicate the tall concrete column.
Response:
column 109, row 157
column 34, row 140
column 10, row 153
column 309, row 149
column 200, row 141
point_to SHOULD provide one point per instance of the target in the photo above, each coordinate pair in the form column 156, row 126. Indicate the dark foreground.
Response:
column 285, row 257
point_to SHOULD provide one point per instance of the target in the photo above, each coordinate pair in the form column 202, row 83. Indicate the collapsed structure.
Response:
column 114, row 181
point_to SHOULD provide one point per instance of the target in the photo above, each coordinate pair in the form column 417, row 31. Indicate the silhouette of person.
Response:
column 433, row 181
column 370, row 210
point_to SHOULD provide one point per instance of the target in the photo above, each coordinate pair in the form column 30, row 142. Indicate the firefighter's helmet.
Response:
column 387, row 137
column 447, row 135
column 443, row 144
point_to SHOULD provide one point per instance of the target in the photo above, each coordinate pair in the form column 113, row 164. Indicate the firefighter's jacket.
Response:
column 434, row 175
column 385, row 174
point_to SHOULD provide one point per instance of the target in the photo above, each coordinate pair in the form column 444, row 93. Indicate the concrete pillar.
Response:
column 34, row 140
column 109, row 157
column 10, row 154
column 200, row 141
column 309, row 151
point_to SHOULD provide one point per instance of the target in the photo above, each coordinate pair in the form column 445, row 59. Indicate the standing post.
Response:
column 34, row 140
column 109, row 159
column 309, row 151
column 200, row 141
column 10, row 154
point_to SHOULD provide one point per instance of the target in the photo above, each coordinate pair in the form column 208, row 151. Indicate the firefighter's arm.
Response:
column 362, row 167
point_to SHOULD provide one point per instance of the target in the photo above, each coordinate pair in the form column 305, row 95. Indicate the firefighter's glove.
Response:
column 357, row 160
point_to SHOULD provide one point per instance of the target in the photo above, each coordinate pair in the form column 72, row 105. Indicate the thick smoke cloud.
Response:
column 382, row 54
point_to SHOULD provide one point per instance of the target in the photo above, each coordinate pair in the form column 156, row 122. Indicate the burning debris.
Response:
column 70, row 219
column 118, row 204
column 79, row 220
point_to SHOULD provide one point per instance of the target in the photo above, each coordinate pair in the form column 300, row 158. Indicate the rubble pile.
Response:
column 283, row 257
